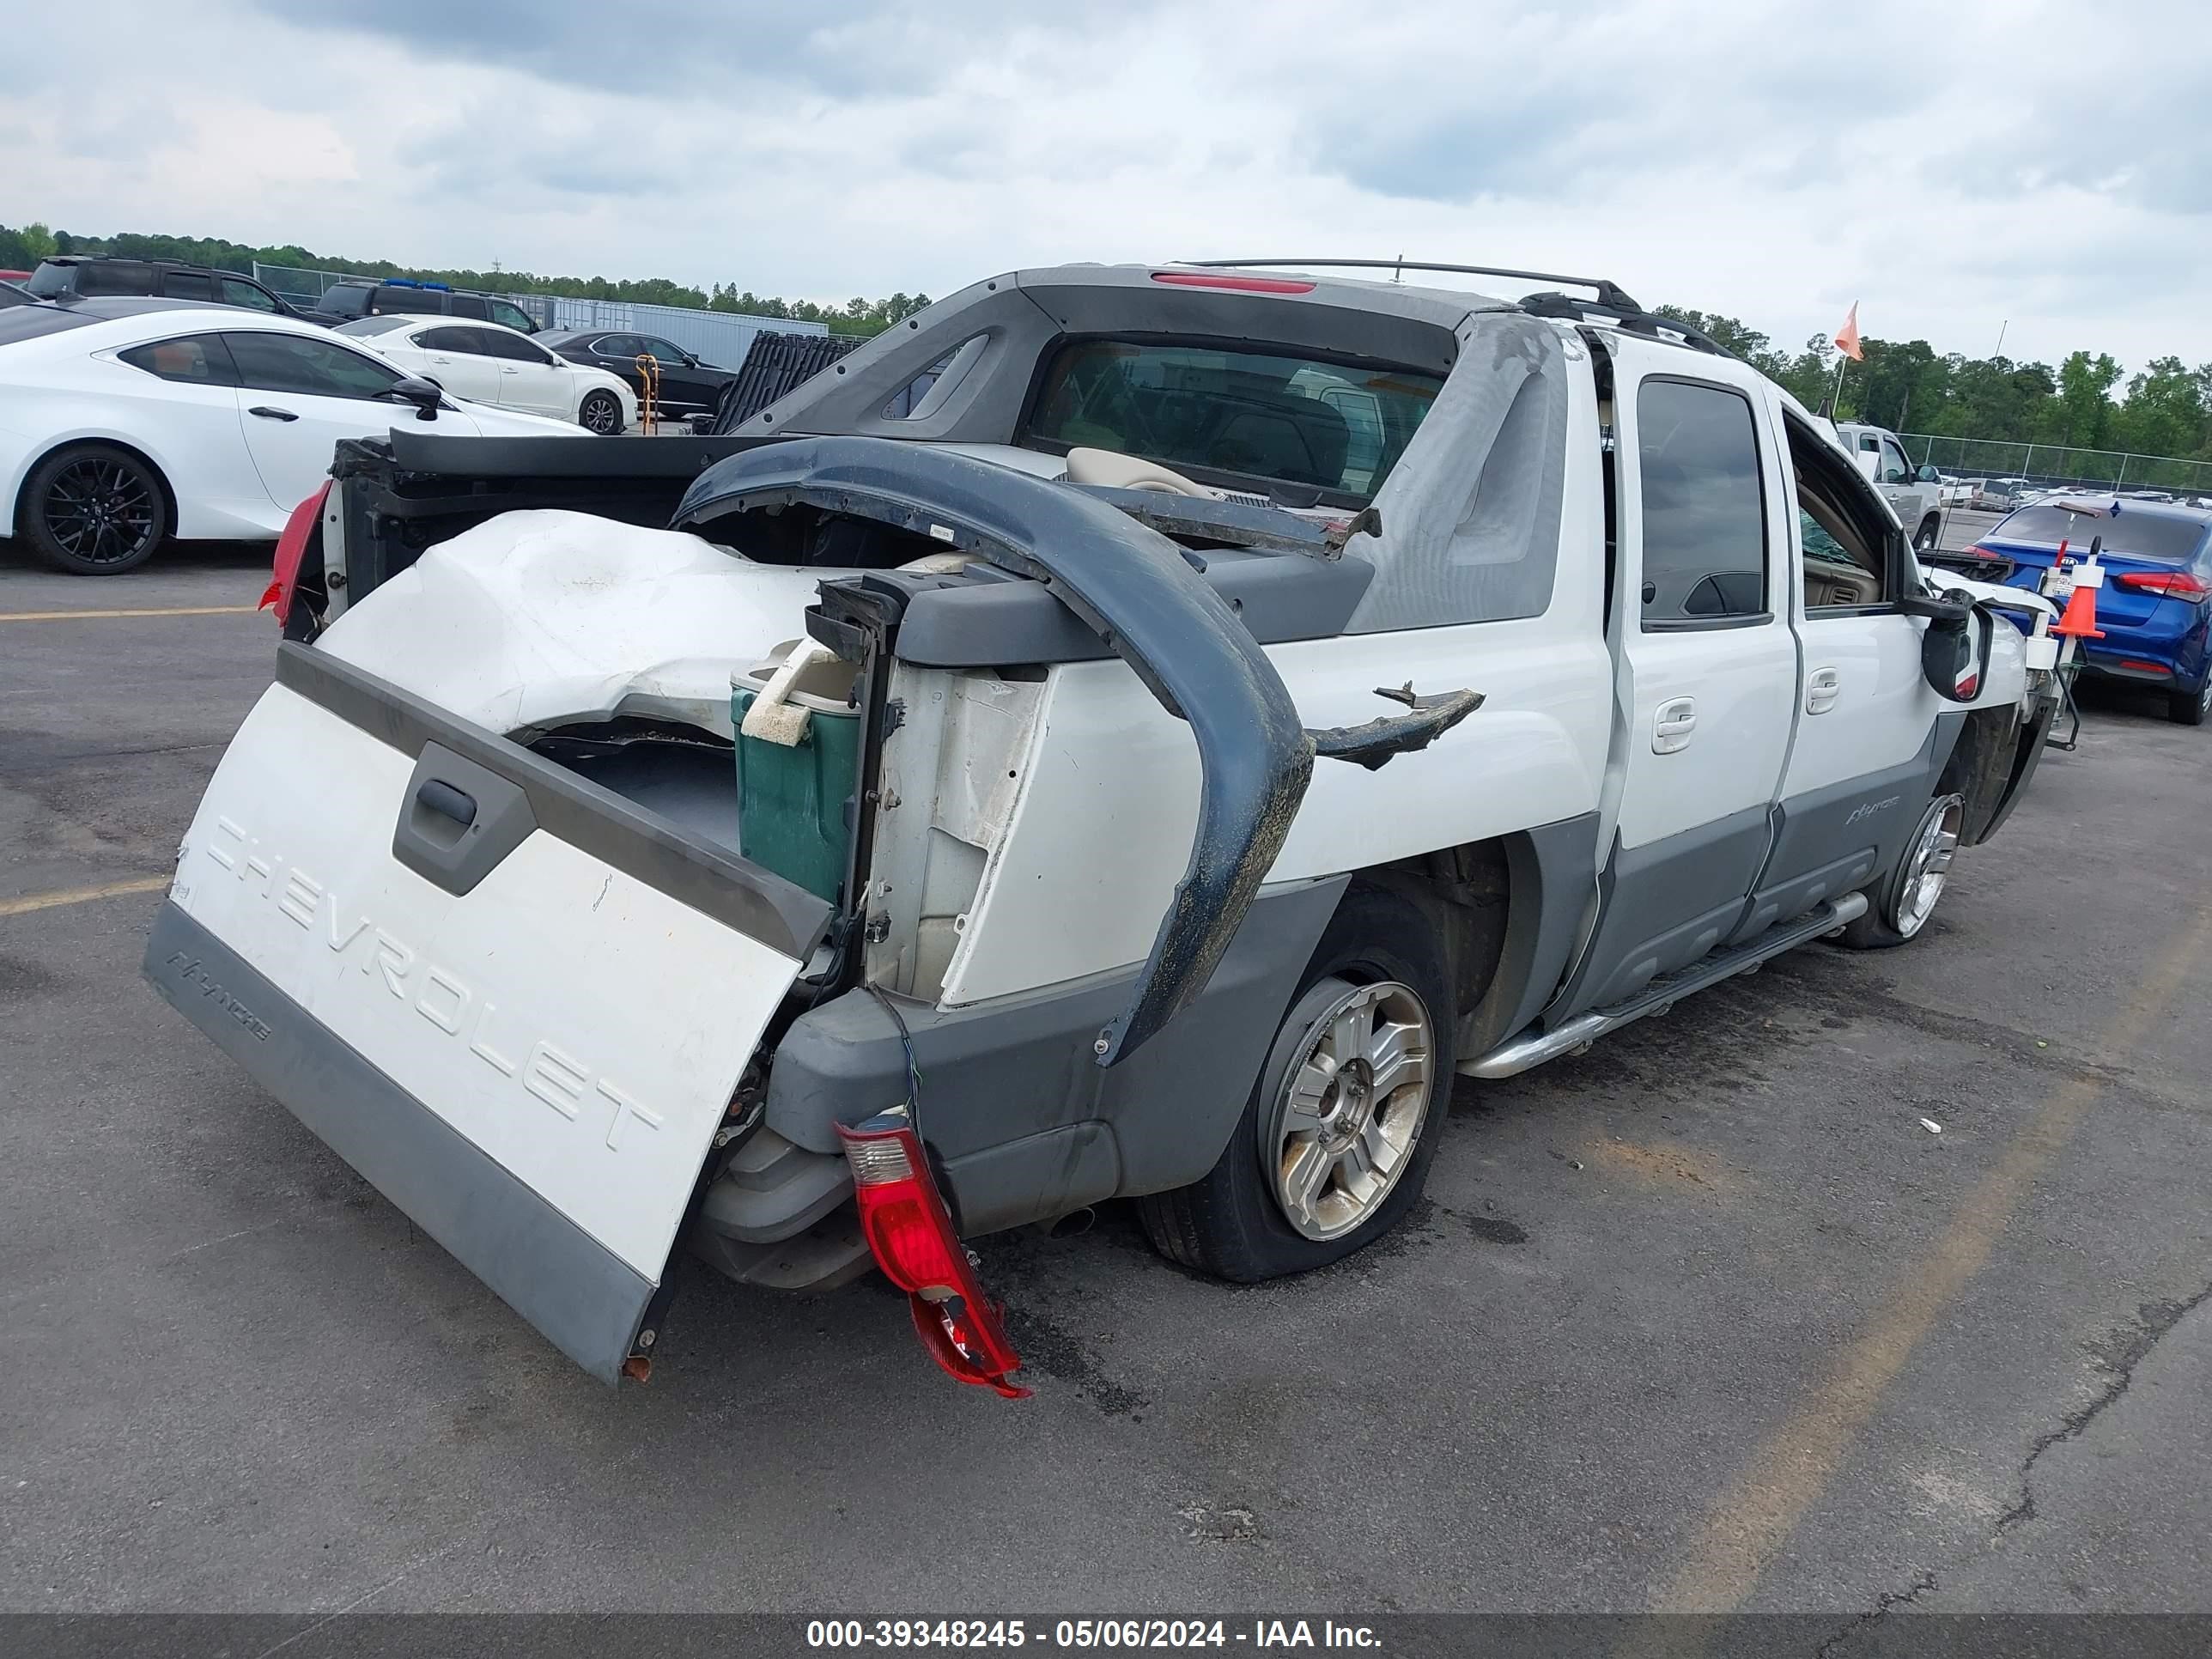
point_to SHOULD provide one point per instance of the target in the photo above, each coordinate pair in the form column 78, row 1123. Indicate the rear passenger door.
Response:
column 459, row 358
column 1705, row 663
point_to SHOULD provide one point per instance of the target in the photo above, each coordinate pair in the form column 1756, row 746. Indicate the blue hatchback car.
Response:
column 2156, row 608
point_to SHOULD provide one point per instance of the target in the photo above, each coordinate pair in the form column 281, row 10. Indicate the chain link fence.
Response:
column 2059, row 465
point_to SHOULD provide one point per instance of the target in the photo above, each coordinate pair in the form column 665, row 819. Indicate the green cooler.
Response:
column 792, row 799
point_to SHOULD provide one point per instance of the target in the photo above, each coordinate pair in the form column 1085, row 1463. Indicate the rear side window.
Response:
column 617, row 345
column 186, row 285
column 315, row 368
column 408, row 301
column 1705, row 511
column 453, row 338
column 236, row 292
column 468, row 305
column 100, row 277
column 194, row 359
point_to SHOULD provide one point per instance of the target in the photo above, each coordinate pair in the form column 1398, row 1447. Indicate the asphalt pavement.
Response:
column 1709, row 1318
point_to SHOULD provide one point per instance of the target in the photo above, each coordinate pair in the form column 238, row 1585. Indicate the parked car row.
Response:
column 73, row 276
column 124, row 422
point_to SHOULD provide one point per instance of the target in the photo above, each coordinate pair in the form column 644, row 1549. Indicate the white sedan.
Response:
column 503, row 365
column 126, row 421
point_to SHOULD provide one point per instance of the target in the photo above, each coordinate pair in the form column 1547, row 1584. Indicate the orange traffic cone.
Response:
column 2080, row 621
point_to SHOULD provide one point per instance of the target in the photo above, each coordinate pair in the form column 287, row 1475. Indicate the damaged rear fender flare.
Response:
column 1135, row 589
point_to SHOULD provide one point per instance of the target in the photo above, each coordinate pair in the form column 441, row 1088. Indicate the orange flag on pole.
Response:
column 1847, row 337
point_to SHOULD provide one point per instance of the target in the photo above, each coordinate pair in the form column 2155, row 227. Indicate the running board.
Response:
column 1533, row 1048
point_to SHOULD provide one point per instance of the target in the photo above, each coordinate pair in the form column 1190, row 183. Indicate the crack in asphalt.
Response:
column 2130, row 1347
column 1883, row 1604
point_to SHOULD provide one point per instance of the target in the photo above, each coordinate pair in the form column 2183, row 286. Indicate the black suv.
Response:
column 349, row 302
column 83, row 276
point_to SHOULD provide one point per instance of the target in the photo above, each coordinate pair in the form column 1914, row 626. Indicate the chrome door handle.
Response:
column 1672, row 725
column 1822, row 687
column 508, row 368
column 268, row 414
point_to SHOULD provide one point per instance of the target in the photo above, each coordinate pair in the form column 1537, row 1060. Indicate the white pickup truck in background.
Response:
column 1915, row 493
column 1223, row 707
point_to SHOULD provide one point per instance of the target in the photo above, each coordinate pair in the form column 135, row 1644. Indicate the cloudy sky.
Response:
column 1954, row 166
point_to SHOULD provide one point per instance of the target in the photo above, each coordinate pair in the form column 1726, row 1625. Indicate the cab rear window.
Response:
column 1234, row 413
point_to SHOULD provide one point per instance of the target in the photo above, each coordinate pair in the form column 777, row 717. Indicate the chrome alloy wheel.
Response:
column 601, row 412
column 1927, row 865
column 1345, row 1121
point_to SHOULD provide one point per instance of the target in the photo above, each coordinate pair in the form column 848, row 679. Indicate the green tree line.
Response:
column 22, row 248
column 2165, row 409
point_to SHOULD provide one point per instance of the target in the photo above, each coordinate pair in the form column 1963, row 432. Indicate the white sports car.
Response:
column 126, row 421
column 502, row 365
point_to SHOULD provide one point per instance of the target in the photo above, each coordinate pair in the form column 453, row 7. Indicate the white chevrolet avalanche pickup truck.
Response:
column 1127, row 732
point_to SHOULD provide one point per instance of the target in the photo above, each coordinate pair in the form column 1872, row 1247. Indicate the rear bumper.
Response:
column 587, row 1300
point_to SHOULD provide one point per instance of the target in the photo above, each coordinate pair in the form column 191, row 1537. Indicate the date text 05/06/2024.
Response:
column 1257, row 1635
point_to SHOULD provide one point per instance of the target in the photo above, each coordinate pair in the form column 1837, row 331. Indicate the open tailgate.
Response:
column 523, row 1028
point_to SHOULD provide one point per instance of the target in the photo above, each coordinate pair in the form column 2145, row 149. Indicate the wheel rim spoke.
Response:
column 1309, row 1090
column 1304, row 1175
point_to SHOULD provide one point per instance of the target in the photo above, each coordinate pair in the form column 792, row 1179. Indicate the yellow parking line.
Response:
column 89, row 615
column 30, row 902
column 1754, row 1517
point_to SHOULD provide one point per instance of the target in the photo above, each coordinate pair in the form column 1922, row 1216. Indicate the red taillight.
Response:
column 906, row 1224
column 1234, row 284
column 291, row 547
column 2143, row 666
column 2174, row 584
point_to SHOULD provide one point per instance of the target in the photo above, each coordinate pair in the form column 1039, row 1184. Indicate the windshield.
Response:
column 2137, row 535
column 1254, row 415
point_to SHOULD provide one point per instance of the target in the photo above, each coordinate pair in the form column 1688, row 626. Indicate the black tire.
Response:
column 1930, row 532
column 600, row 412
column 93, row 510
column 2190, row 708
column 1229, row 1224
column 1887, row 923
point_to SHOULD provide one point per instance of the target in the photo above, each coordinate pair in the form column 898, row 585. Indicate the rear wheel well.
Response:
column 1467, row 892
column 160, row 478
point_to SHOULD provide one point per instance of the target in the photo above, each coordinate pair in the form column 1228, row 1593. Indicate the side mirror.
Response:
column 1955, row 651
column 423, row 394
column 1928, row 475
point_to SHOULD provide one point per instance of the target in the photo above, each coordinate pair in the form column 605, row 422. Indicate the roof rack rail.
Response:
column 1634, row 319
column 1610, row 294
